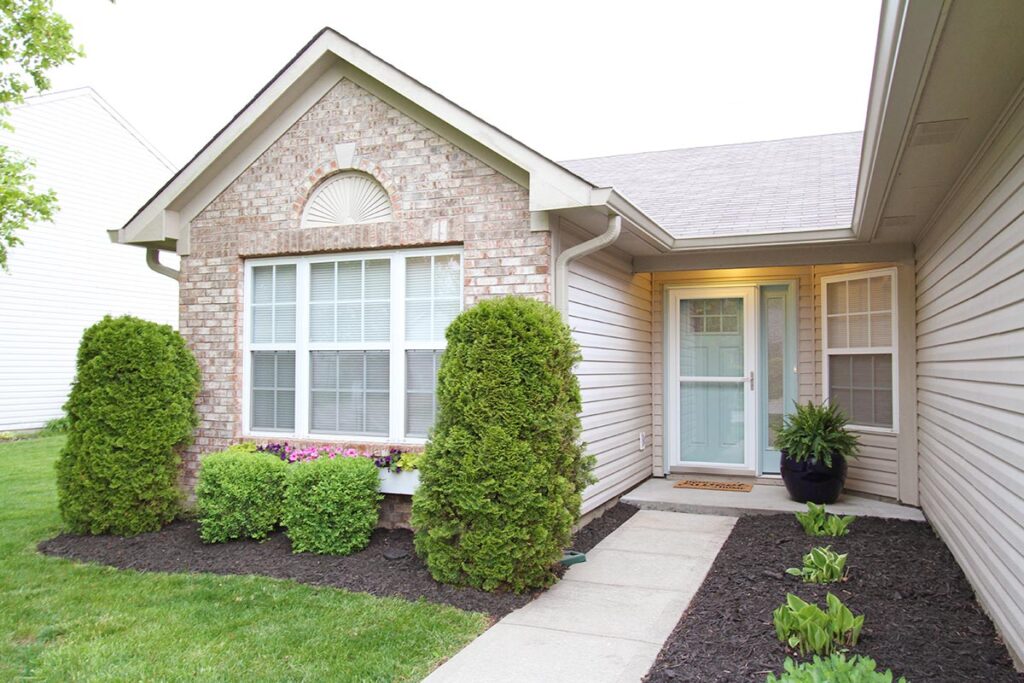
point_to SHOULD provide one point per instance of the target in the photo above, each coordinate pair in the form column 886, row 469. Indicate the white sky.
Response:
column 570, row 79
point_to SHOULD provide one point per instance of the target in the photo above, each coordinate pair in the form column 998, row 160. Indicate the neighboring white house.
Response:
column 67, row 274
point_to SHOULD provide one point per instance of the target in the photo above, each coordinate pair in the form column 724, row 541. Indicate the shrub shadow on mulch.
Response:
column 921, row 618
column 387, row 567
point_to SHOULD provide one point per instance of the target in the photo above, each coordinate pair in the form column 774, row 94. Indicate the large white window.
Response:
column 347, row 346
column 859, row 346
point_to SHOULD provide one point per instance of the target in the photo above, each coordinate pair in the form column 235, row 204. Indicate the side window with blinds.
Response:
column 273, row 304
column 274, row 300
column 859, row 347
column 273, row 390
column 324, row 356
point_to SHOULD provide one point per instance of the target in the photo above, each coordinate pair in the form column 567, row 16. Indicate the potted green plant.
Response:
column 815, row 446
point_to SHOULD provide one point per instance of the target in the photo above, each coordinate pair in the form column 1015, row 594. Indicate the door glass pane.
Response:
column 711, row 413
column 711, row 337
column 775, row 373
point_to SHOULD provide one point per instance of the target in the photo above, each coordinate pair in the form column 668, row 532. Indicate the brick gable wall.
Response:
column 440, row 195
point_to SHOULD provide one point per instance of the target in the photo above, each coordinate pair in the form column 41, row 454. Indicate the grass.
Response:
column 61, row 621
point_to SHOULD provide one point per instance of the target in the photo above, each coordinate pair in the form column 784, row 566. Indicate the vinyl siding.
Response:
column 67, row 274
column 610, row 314
column 970, row 377
column 877, row 470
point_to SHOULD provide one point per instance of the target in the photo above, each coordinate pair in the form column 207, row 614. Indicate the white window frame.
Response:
column 397, row 345
column 892, row 349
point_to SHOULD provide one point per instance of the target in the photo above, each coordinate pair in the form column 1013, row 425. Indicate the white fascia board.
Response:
column 221, row 175
column 764, row 239
column 557, row 187
column 215, row 161
column 849, row 251
column 648, row 228
column 908, row 33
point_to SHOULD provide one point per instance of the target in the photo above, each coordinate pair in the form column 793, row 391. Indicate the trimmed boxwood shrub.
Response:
column 330, row 505
column 240, row 494
column 131, row 406
column 502, row 476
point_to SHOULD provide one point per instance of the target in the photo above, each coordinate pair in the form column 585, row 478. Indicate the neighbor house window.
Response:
column 348, row 345
column 859, row 345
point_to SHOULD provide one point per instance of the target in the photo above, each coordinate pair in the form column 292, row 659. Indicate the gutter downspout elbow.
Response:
column 153, row 261
column 605, row 239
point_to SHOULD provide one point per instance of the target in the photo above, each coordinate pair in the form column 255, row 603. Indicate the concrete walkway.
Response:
column 660, row 494
column 607, row 619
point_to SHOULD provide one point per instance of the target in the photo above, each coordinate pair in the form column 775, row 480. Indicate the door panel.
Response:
column 711, row 415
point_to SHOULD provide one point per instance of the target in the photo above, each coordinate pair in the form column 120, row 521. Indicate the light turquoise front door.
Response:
column 715, row 332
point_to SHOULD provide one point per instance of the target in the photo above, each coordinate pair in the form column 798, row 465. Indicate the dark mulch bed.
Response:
column 177, row 548
column 921, row 619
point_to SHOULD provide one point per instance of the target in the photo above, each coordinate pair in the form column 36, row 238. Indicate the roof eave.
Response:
column 908, row 32
column 326, row 57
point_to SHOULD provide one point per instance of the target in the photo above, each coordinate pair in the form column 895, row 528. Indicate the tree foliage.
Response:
column 33, row 40
column 131, row 407
column 502, row 476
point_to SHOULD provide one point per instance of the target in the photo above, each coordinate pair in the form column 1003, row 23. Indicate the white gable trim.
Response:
column 330, row 57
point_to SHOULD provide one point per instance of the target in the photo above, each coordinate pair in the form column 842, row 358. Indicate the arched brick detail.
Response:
column 321, row 173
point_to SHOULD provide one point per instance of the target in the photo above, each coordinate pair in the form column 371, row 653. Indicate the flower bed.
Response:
column 387, row 567
column 396, row 467
column 921, row 617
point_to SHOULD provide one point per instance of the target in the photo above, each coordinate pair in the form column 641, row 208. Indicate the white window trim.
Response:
column 893, row 349
column 397, row 344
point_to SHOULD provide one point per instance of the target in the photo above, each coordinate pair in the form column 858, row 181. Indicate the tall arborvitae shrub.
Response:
column 131, row 407
column 501, row 479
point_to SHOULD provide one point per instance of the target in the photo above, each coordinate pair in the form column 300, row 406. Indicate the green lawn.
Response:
column 61, row 621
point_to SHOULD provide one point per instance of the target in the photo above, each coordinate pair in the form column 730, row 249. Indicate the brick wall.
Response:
column 440, row 195
column 395, row 511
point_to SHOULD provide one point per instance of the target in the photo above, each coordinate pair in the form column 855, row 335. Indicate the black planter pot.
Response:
column 810, row 481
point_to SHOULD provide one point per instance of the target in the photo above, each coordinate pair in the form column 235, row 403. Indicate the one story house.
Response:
column 330, row 231
column 67, row 275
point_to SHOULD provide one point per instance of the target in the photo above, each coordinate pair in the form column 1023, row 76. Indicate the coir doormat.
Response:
column 713, row 485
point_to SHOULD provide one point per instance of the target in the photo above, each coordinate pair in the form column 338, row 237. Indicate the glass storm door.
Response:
column 716, row 342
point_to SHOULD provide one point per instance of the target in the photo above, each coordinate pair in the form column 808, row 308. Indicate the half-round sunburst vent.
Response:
column 346, row 199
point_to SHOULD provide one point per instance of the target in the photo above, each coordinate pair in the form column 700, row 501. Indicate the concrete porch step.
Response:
column 764, row 499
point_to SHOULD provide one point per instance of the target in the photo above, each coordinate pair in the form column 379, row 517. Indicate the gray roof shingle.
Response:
column 773, row 186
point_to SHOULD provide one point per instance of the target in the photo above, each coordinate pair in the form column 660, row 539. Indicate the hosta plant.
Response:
column 808, row 629
column 816, row 522
column 835, row 669
column 821, row 565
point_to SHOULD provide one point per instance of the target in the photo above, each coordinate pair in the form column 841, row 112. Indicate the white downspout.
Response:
column 153, row 261
column 598, row 243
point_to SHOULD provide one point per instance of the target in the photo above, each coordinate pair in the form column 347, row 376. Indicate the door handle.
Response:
column 750, row 379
